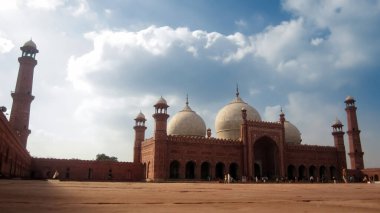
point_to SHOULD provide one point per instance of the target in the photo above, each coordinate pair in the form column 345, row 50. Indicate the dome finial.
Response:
column 187, row 99
column 237, row 90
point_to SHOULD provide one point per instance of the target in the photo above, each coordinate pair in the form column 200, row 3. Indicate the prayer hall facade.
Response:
column 181, row 148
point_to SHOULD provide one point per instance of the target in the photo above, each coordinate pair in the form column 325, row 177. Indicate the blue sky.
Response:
column 101, row 62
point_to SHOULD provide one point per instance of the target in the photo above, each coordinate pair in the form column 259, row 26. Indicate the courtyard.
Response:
column 64, row 196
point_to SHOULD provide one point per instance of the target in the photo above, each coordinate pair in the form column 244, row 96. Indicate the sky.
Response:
column 102, row 62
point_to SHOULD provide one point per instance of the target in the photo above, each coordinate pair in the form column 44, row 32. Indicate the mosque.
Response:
column 244, row 146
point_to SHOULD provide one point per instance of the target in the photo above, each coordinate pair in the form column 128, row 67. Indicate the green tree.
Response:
column 104, row 157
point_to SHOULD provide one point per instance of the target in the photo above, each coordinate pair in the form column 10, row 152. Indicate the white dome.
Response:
column 187, row 122
column 229, row 118
column 30, row 43
column 292, row 134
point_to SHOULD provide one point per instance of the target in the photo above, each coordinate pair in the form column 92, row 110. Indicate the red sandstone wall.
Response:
column 313, row 156
column 147, row 148
column 14, row 158
column 86, row 170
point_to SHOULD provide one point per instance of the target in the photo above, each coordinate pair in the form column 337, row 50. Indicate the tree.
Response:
column 104, row 157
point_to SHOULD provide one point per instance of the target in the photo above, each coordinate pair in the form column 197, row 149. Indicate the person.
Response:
column 257, row 179
column 365, row 180
column 344, row 175
column 56, row 174
column 311, row 179
column 225, row 178
column 228, row 178
column 334, row 180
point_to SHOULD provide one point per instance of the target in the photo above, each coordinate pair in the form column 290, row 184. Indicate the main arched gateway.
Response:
column 266, row 158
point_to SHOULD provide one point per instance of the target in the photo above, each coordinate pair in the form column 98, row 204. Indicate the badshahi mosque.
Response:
column 182, row 148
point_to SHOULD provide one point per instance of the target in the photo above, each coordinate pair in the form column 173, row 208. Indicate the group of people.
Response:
column 228, row 178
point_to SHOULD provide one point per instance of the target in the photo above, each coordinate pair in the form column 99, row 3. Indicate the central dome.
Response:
column 229, row 118
column 187, row 122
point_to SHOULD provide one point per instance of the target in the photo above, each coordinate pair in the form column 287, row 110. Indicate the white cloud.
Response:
column 110, row 48
column 241, row 23
column 281, row 42
column 81, row 7
column 45, row 4
column 8, row 5
column 6, row 45
column 316, row 41
column 272, row 113
column 312, row 116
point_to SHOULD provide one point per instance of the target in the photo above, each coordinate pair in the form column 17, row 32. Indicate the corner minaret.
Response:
column 160, row 139
column 22, row 96
column 356, row 153
column 339, row 144
column 139, row 136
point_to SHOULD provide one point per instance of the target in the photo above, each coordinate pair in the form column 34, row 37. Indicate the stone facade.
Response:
column 15, row 160
column 260, row 149
column 89, row 170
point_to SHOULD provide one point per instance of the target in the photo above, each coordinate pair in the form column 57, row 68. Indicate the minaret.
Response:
column 356, row 153
column 160, row 171
column 139, row 136
column 339, row 144
column 22, row 96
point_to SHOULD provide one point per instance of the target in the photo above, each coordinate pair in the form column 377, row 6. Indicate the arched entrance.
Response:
column 190, row 170
column 301, row 172
column 219, row 171
column 291, row 172
column 257, row 170
column 144, row 173
column 233, row 170
column 312, row 172
column 147, row 170
column 266, row 152
column 333, row 174
column 322, row 173
column 174, row 170
column 205, row 170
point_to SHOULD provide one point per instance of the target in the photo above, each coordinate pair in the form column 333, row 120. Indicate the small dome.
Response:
column 140, row 116
column 229, row 118
column 350, row 98
column 292, row 134
column 337, row 122
column 161, row 101
column 30, row 43
column 187, row 122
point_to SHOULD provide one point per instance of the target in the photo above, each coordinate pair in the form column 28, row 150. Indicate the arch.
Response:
column 266, row 154
column 147, row 170
column 291, row 172
column 257, row 169
column 205, row 170
column 144, row 172
column 190, row 170
column 312, row 171
column 174, row 170
column 333, row 173
column 219, row 171
column 301, row 172
column 90, row 172
column 376, row 178
column 322, row 173
column 233, row 171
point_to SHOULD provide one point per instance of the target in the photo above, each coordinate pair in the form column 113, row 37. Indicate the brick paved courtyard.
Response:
column 49, row 196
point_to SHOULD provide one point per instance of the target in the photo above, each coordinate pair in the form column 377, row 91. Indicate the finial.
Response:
column 187, row 99
column 237, row 90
